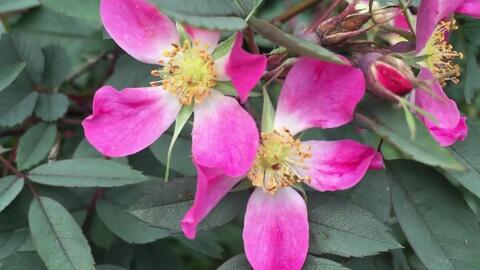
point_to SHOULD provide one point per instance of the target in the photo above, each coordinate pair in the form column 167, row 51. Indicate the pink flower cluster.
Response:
column 227, row 146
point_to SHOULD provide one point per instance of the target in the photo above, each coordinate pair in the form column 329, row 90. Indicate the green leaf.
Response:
column 343, row 229
column 224, row 47
column 125, row 225
column 22, row 261
column 210, row 14
column 15, row 5
column 292, row 43
column 149, row 257
column 371, row 263
column 268, row 113
column 130, row 73
column 467, row 153
column 57, row 237
column 86, row 172
column 57, row 65
column 472, row 69
column 85, row 10
column 35, row 145
column 11, row 241
column 389, row 123
column 436, row 221
column 314, row 263
column 205, row 242
column 109, row 267
column 181, row 154
column 16, row 104
column 238, row 262
column 182, row 119
column 51, row 107
column 9, row 73
column 165, row 205
column 10, row 187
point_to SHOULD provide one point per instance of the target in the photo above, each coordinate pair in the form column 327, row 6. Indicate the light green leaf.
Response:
column 292, row 43
column 436, row 221
column 11, row 241
column 35, row 145
column 57, row 237
column 130, row 73
column 389, row 123
column 51, row 107
column 9, row 73
column 224, row 47
column 467, row 152
column 85, row 10
column 10, row 187
column 16, row 104
column 182, row 119
column 343, row 229
column 86, row 172
column 268, row 113
column 16, row 5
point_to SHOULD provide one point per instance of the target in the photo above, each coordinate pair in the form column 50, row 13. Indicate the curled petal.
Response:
column 430, row 13
column 242, row 68
column 139, row 28
column 318, row 94
column 224, row 135
column 340, row 165
column 470, row 8
column 205, row 37
column 275, row 233
column 447, row 123
column 212, row 186
column 125, row 122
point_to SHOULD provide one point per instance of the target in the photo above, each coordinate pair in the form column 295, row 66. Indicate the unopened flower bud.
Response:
column 386, row 75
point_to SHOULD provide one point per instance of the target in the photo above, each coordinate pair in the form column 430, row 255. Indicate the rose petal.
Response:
column 275, row 233
column 447, row 137
column 470, row 8
column 443, row 109
column 224, row 135
column 242, row 68
column 139, row 28
column 430, row 12
column 339, row 165
column 205, row 37
column 212, row 186
column 125, row 122
column 318, row 94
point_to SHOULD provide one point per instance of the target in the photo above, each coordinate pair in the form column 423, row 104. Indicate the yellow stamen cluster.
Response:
column 189, row 73
column 280, row 162
column 441, row 55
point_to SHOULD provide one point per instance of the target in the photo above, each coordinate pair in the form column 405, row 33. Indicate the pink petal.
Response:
column 275, row 233
column 205, row 37
column 400, row 21
column 340, row 165
column 125, row 122
column 430, row 12
column 448, row 122
column 242, row 68
column 470, row 8
column 139, row 28
column 212, row 186
column 224, row 136
column 318, row 94
column 447, row 137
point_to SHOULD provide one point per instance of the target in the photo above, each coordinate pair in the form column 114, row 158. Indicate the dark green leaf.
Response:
column 85, row 10
column 57, row 64
column 238, row 262
column 9, row 73
column 438, row 224
column 314, row 263
column 150, row 256
column 11, row 241
column 388, row 122
column 337, row 227
column 292, row 43
column 205, row 242
column 10, row 187
column 57, row 236
column 15, row 5
column 51, row 107
column 130, row 73
column 109, row 267
column 16, row 104
column 181, row 155
column 86, row 172
column 35, row 145
column 22, row 261
column 165, row 205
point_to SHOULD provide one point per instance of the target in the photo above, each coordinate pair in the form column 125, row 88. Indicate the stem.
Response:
column 18, row 173
column 408, row 15
column 294, row 11
column 251, row 41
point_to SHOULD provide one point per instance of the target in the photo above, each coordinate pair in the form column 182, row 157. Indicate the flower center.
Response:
column 280, row 161
column 189, row 72
column 441, row 55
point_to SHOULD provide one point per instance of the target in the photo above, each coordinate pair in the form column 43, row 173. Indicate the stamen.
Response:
column 189, row 73
column 441, row 55
column 280, row 162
